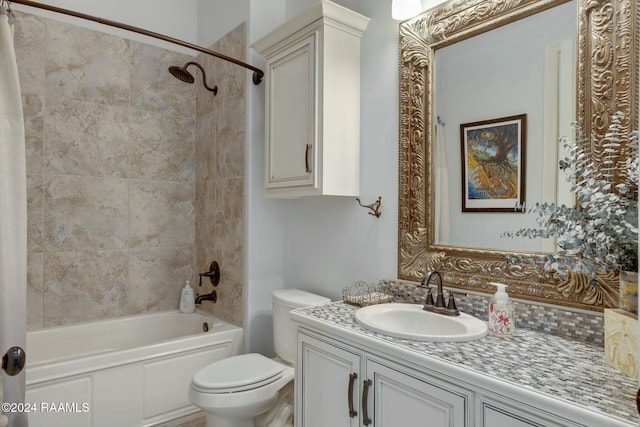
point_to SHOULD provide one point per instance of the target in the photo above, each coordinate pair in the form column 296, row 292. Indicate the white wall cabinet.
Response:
column 341, row 386
column 312, row 103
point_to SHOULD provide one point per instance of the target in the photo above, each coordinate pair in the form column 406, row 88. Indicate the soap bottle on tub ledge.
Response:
column 187, row 300
column 501, row 312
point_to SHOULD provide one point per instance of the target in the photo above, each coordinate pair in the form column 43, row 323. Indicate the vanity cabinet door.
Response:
column 499, row 412
column 397, row 397
column 327, row 385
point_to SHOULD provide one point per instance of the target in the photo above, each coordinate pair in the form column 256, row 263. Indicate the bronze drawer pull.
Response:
column 352, row 379
column 365, row 397
column 306, row 158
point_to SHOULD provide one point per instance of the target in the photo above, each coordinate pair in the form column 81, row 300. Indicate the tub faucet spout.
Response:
column 207, row 297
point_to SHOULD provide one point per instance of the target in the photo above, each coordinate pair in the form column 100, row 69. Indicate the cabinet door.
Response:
column 291, row 116
column 495, row 417
column 327, row 385
column 395, row 397
column 497, row 412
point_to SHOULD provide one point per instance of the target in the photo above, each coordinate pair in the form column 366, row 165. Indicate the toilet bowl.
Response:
column 235, row 390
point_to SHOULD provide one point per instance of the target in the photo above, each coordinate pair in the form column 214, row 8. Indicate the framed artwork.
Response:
column 493, row 164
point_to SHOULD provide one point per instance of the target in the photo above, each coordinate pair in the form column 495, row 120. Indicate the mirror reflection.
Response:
column 604, row 77
column 524, row 68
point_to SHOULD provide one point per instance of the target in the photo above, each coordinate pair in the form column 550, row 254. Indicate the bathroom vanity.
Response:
column 349, row 376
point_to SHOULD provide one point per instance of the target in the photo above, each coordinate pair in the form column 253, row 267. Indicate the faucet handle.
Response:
column 429, row 301
column 440, row 305
column 451, row 305
column 429, row 304
column 213, row 274
column 452, row 309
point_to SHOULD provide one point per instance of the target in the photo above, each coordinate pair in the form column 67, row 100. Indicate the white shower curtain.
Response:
column 13, row 219
column 441, row 184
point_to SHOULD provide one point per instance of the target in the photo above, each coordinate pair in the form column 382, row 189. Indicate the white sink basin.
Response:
column 410, row 321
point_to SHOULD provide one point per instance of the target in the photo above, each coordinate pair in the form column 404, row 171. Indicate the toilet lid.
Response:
column 237, row 373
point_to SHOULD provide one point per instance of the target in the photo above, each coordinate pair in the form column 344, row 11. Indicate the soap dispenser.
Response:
column 187, row 299
column 501, row 312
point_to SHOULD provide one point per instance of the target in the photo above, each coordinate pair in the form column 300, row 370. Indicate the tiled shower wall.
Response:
column 112, row 141
column 220, row 165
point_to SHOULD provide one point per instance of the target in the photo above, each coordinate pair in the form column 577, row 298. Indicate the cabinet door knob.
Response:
column 306, row 158
column 365, row 398
column 352, row 379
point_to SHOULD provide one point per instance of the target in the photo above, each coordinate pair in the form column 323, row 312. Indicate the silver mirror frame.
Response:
column 607, row 55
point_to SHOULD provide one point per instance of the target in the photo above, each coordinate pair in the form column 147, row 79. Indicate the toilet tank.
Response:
column 284, row 330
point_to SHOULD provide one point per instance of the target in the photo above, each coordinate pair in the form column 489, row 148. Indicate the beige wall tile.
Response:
column 33, row 112
column 206, row 101
column 84, row 285
column 29, row 42
column 205, row 214
column 35, row 213
column 230, row 302
column 86, row 65
column 204, row 256
column 153, row 88
column 161, row 214
column 230, row 139
column 206, row 146
column 229, row 306
column 234, row 44
column 35, row 291
column 229, row 214
column 88, row 139
column 156, row 277
column 85, row 213
column 161, row 146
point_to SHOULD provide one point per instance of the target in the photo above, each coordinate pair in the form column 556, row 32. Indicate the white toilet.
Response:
column 233, row 391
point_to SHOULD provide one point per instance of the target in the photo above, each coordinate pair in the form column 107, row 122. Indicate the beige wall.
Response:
column 112, row 141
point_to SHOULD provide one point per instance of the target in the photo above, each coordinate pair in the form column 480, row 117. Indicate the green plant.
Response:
column 600, row 232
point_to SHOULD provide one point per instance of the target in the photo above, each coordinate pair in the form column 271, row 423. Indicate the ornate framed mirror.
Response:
column 606, row 80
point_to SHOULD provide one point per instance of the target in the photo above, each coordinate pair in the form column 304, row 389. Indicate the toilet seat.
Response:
column 237, row 373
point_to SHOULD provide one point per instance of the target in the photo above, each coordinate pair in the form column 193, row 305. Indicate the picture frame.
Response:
column 493, row 157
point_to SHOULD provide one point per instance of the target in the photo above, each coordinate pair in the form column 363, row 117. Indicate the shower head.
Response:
column 181, row 73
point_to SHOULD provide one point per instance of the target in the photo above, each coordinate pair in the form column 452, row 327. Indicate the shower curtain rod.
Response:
column 258, row 74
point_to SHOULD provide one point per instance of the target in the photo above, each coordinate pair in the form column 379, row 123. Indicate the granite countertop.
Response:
column 560, row 368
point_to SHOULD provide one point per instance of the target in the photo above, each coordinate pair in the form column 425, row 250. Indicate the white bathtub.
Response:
column 131, row 371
